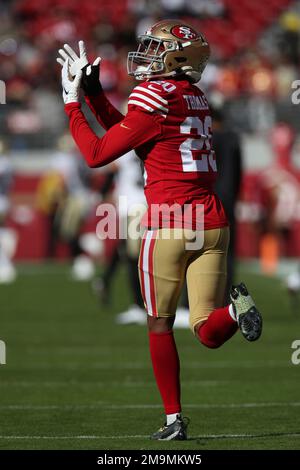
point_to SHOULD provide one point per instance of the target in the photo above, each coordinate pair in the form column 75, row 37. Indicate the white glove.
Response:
column 70, row 87
column 77, row 62
column 90, row 82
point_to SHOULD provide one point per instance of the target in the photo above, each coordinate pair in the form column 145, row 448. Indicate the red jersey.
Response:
column 169, row 125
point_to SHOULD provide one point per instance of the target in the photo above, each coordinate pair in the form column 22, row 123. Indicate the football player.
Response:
column 168, row 123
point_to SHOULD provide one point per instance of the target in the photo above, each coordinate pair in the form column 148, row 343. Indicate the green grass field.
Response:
column 75, row 380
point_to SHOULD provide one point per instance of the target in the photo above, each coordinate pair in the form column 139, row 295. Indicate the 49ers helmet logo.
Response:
column 184, row 32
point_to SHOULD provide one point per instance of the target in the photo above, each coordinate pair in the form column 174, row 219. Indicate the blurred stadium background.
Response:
column 64, row 350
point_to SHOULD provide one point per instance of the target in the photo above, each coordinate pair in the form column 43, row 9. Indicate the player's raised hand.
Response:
column 70, row 86
column 90, row 81
column 77, row 61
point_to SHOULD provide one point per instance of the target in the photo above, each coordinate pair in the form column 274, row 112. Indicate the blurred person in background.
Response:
column 128, row 183
column 229, row 162
column 50, row 195
column 64, row 196
column 8, row 237
column 280, row 190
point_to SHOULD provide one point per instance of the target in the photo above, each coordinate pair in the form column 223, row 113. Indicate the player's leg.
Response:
column 162, row 270
column 248, row 317
column 101, row 285
column 211, row 322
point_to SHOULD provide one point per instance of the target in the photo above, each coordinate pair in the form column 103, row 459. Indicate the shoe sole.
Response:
column 172, row 437
column 175, row 436
column 253, row 318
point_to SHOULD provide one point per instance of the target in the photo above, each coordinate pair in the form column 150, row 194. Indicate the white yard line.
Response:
column 103, row 406
column 106, row 384
column 146, row 365
column 140, row 436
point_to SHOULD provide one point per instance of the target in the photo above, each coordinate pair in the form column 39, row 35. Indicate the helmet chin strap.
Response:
column 186, row 70
column 193, row 74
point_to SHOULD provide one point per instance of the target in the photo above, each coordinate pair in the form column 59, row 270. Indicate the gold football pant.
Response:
column 168, row 256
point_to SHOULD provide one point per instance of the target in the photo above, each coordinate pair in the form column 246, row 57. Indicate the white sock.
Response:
column 232, row 312
column 171, row 418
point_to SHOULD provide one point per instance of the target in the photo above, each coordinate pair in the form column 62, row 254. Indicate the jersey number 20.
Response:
column 201, row 142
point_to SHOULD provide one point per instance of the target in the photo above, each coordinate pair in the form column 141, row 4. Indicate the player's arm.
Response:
column 147, row 109
column 106, row 114
column 136, row 129
column 143, row 123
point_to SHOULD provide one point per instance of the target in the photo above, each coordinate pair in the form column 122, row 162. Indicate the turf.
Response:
column 76, row 380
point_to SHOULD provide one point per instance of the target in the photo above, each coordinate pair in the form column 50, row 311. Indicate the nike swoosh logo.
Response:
column 125, row 127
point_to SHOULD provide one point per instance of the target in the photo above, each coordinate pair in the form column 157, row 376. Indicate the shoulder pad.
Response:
column 150, row 97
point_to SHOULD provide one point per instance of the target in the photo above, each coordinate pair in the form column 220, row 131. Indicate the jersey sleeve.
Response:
column 106, row 114
column 132, row 132
column 149, row 97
